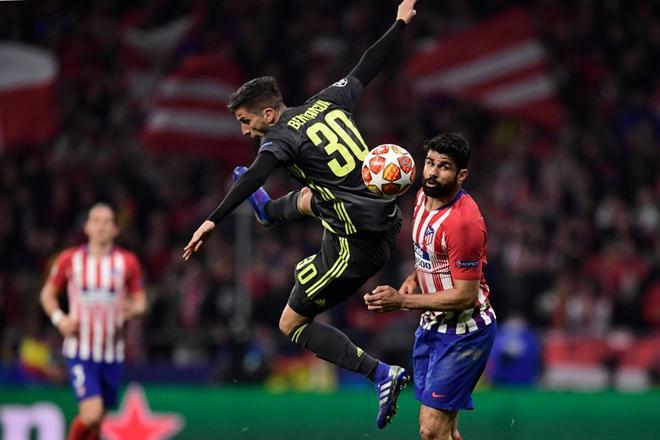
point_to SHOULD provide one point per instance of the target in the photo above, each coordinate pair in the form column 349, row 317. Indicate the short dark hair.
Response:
column 453, row 145
column 104, row 205
column 256, row 95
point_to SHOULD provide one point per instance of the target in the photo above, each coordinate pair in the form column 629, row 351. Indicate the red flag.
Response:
column 189, row 112
column 499, row 64
column 146, row 52
column 28, row 112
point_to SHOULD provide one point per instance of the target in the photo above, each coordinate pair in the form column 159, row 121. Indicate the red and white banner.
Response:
column 499, row 64
column 146, row 52
column 189, row 111
column 28, row 111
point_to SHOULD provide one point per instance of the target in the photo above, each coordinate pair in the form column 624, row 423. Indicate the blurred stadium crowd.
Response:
column 573, row 216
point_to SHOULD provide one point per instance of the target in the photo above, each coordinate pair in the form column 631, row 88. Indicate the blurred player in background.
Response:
column 322, row 148
column 457, row 329
column 105, row 288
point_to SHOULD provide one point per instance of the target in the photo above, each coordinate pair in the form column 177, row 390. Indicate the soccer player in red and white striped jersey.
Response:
column 105, row 288
column 458, row 325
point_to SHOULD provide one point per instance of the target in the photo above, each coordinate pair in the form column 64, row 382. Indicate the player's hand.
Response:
column 409, row 285
column 406, row 10
column 128, row 309
column 383, row 299
column 198, row 238
column 133, row 309
column 67, row 326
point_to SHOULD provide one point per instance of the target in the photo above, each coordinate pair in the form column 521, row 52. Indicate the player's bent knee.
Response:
column 305, row 201
column 285, row 327
column 287, row 324
column 426, row 432
column 91, row 418
column 434, row 432
column 91, row 412
column 291, row 320
column 435, row 427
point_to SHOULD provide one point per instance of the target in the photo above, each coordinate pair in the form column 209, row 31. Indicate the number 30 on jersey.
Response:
column 333, row 135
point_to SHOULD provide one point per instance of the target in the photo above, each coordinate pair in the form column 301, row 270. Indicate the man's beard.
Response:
column 440, row 191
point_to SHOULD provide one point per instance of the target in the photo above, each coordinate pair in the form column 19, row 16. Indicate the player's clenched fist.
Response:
column 406, row 10
column 383, row 299
column 67, row 326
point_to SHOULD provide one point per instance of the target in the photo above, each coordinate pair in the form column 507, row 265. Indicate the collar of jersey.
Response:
column 450, row 203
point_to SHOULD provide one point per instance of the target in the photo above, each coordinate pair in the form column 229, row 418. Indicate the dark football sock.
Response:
column 285, row 208
column 334, row 346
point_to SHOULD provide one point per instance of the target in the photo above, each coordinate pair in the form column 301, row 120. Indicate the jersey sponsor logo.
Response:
column 341, row 83
column 97, row 296
column 428, row 235
column 422, row 259
column 310, row 114
column 467, row 264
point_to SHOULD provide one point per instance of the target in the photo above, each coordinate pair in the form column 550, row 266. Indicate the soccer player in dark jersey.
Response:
column 458, row 326
column 322, row 148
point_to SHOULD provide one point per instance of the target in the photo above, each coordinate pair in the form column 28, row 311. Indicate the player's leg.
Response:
column 305, row 202
column 455, row 365
column 332, row 345
column 293, row 206
column 91, row 415
column 326, row 342
column 436, row 424
column 423, row 356
column 322, row 281
column 84, row 380
column 259, row 199
column 435, row 384
column 454, row 431
column 326, row 279
column 110, row 381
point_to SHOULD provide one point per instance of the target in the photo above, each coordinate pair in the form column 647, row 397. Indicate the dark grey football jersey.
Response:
column 320, row 145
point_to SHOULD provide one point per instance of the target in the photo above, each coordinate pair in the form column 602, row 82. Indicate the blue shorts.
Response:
column 89, row 379
column 447, row 367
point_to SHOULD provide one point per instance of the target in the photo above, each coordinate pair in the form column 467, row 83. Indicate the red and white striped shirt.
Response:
column 96, row 288
column 450, row 244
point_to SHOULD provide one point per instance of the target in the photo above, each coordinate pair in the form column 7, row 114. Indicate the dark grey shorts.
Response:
column 340, row 268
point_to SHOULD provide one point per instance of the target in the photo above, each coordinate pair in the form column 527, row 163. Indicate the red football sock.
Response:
column 78, row 430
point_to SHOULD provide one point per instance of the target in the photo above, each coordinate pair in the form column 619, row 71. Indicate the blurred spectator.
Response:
column 516, row 355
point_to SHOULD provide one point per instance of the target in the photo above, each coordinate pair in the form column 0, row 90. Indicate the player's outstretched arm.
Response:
column 249, row 182
column 374, row 57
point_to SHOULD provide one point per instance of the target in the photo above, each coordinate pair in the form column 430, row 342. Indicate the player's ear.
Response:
column 462, row 175
column 269, row 115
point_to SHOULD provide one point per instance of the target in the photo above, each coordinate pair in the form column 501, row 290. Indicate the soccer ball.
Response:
column 388, row 170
